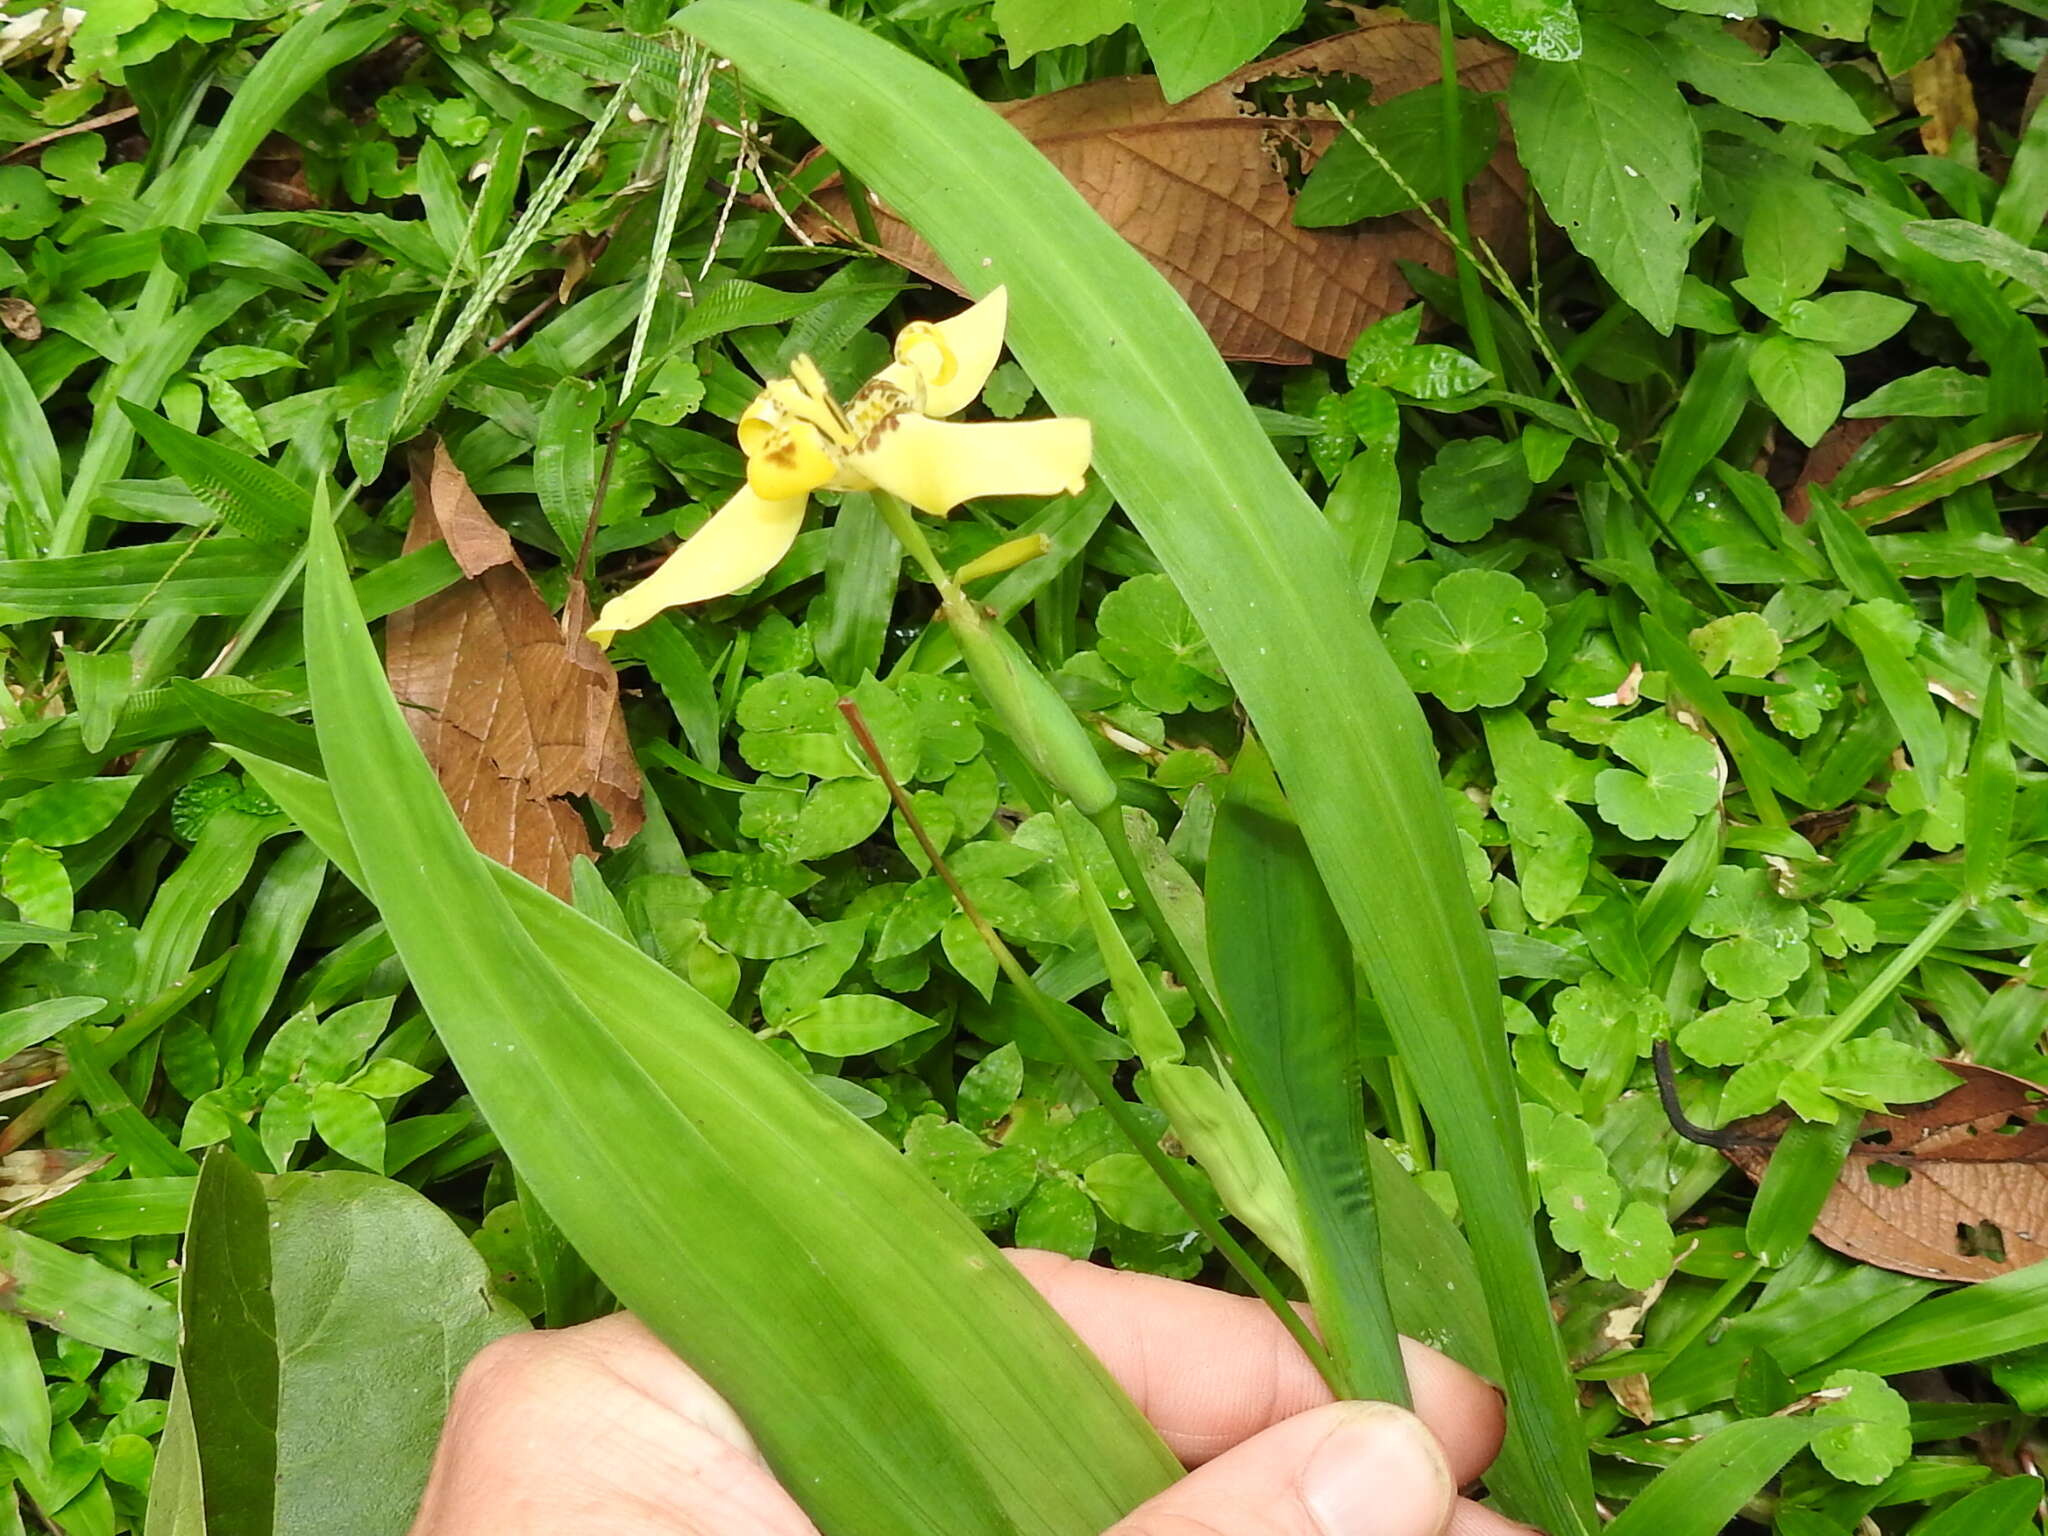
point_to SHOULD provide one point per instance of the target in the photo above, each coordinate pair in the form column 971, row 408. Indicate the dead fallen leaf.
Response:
column 515, row 711
column 1943, row 95
column 1200, row 187
column 1967, row 1197
column 275, row 177
column 20, row 319
column 1826, row 458
column 31, row 1178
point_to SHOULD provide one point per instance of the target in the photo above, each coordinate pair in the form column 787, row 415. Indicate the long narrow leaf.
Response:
column 896, row 1372
column 1105, row 337
column 1283, row 966
column 1700, row 1492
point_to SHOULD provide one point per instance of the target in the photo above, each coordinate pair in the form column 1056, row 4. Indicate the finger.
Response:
column 1210, row 1369
column 1345, row 1469
column 596, row 1428
column 1471, row 1519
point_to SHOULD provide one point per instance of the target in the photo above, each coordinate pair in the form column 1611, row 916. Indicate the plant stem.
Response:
column 1110, row 823
column 1884, row 983
column 1090, row 1071
column 1478, row 318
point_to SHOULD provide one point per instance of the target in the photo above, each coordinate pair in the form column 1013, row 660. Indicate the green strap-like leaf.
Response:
column 1701, row 1491
column 897, row 1374
column 1105, row 337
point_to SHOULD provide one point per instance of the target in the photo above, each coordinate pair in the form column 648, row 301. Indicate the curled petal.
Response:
column 936, row 465
column 955, row 357
column 743, row 542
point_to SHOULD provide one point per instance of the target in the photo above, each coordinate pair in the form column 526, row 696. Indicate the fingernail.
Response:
column 1380, row 1473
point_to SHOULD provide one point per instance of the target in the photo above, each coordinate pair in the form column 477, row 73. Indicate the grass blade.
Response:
column 1701, row 1491
column 895, row 1372
column 1105, row 337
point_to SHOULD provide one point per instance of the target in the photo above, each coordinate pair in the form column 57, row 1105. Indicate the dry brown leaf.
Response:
column 1974, row 1201
column 515, row 711
column 1200, row 187
column 21, row 320
column 1942, row 94
column 1826, row 458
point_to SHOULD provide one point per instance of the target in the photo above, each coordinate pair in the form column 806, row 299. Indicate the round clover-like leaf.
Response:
column 27, row 205
column 1869, row 1433
column 1677, row 779
column 1752, row 969
column 1148, row 634
column 1474, row 483
column 1473, row 642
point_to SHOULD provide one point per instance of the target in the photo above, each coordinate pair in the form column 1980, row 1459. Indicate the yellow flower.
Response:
column 889, row 437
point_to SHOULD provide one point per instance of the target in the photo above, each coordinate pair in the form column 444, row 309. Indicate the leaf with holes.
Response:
column 1953, row 1189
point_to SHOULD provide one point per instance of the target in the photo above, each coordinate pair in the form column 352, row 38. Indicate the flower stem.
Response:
column 1091, row 1073
column 1110, row 823
column 917, row 546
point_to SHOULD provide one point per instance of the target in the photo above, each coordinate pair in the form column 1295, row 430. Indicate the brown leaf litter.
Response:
column 1201, row 188
column 516, row 711
column 1966, row 1194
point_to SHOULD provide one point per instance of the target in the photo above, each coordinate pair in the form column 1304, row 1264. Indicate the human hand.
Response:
column 601, row 1431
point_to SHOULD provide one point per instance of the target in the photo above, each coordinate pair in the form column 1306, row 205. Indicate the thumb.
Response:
column 1347, row 1469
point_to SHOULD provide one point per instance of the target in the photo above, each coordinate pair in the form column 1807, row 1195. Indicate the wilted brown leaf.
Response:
column 20, row 319
column 1825, row 460
column 515, row 711
column 1966, row 1197
column 1201, row 187
column 1943, row 95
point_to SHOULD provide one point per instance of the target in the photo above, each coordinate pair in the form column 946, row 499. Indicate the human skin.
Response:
column 601, row 1431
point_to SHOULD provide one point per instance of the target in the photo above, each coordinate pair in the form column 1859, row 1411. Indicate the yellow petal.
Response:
column 956, row 356
column 936, row 465
column 743, row 542
column 790, row 461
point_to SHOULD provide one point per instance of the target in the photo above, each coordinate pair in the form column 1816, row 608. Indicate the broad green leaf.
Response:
column 1610, row 145
column 1801, row 382
column 1848, row 322
column 1789, row 85
column 1676, row 779
column 1542, row 29
column 1033, row 26
column 1266, row 580
column 638, row 1115
column 854, row 1024
column 1349, row 183
column 1903, row 32
column 1473, row 483
column 380, row 1301
column 1791, row 240
column 1194, row 43
column 1823, row 18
